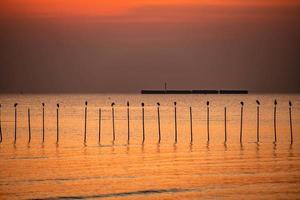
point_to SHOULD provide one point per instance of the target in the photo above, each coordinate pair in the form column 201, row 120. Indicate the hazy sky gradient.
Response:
column 125, row 46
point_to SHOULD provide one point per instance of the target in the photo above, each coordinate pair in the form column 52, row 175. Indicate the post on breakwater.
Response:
column 29, row 127
column 291, row 125
column 257, row 121
column 241, row 126
column 158, row 122
column 225, row 124
column 191, row 125
column 85, row 120
column 0, row 126
column 15, row 105
column 57, row 123
column 99, row 126
column 275, row 125
column 113, row 122
column 143, row 121
column 207, row 119
column 175, row 121
column 128, row 123
column 43, row 121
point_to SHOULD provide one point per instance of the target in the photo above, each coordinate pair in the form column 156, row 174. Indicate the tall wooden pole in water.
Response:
column 275, row 126
column 175, row 120
column 99, row 136
column 113, row 121
column 291, row 127
column 128, row 123
column 85, row 120
column 15, row 122
column 43, row 123
column 0, row 126
column 257, row 120
column 143, row 121
column 207, row 105
column 241, row 127
column 29, row 127
column 225, row 127
column 57, row 124
column 191, row 124
column 158, row 121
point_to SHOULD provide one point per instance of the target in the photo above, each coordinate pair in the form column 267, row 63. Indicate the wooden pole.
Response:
column 225, row 121
column 43, row 116
column 99, row 136
column 0, row 126
column 158, row 121
column 208, row 137
column 175, row 120
column 57, row 124
column 29, row 127
column 113, row 121
column 275, row 126
column 257, row 120
column 85, row 120
column 241, row 127
column 143, row 122
column 15, row 123
column 191, row 124
column 128, row 123
column 291, row 125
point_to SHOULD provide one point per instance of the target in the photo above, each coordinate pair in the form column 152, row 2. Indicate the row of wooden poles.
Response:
column 143, row 123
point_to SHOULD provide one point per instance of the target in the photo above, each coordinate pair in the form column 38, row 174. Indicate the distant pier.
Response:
column 194, row 92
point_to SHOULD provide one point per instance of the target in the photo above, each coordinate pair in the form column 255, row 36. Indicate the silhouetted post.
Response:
column 29, row 127
column 158, row 121
column 57, row 123
column 128, row 123
column 241, row 130
column 43, row 116
column 143, row 121
column 99, row 136
column 15, row 122
column 113, row 121
column 207, row 105
column 191, row 124
column 175, row 120
column 85, row 120
column 225, row 121
column 0, row 126
column 257, row 120
column 275, row 108
column 291, row 127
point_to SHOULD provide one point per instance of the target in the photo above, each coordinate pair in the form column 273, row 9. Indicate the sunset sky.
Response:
column 129, row 45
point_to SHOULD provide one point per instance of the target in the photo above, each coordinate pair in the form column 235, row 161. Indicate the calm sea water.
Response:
column 214, row 169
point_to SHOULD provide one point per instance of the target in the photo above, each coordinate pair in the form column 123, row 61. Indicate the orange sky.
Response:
column 60, row 8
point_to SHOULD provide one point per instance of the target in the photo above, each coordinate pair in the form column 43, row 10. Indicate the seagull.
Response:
column 275, row 102
column 158, row 104
column 207, row 103
column 242, row 103
column 143, row 104
column 290, row 103
column 113, row 103
column 16, row 104
column 258, row 103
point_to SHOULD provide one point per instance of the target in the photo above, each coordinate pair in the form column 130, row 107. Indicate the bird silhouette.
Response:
column 242, row 103
column 58, row 105
column 113, row 103
column 290, row 103
column 15, row 104
column 275, row 102
column 143, row 104
column 127, row 103
column 43, row 104
column 258, row 103
column 158, row 103
column 207, row 103
column 86, row 103
column 175, row 103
